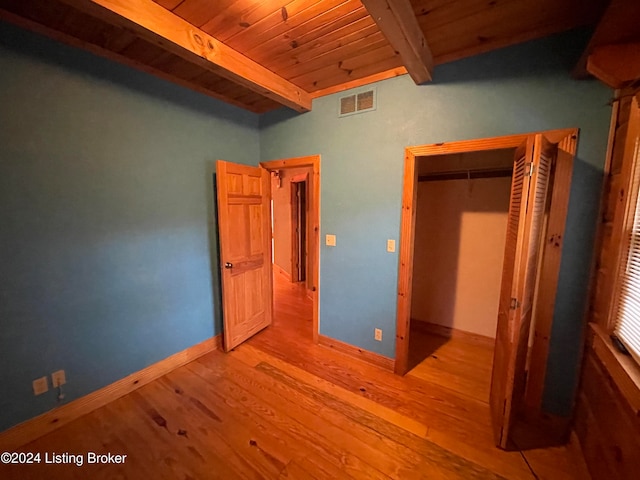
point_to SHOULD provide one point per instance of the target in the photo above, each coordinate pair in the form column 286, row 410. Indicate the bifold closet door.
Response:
column 530, row 181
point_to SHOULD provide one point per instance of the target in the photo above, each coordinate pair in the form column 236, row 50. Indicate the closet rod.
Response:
column 467, row 174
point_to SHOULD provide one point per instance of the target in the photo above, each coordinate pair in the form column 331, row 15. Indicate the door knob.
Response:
column 228, row 265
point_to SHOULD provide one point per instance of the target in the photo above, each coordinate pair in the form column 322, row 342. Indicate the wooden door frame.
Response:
column 313, row 162
column 295, row 247
column 550, row 267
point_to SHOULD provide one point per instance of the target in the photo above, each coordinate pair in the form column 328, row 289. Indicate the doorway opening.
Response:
column 295, row 187
column 537, row 208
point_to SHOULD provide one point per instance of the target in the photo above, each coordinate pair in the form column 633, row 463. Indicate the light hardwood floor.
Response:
column 281, row 407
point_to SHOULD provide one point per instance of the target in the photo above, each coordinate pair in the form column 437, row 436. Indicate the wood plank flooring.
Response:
column 281, row 407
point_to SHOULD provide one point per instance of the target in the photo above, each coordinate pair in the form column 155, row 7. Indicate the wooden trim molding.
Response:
column 357, row 352
column 359, row 82
column 602, row 234
column 293, row 222
column 492, row 143
column 567, row 144
column 301, row 177
column 448, row 332
column 30, row 430
column 405, row 274
column 624, row 371
column 312, row 161
column 624, row 206
column 278, row 270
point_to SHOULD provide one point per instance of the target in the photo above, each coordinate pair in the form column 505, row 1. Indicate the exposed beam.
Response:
column 615, row 65
column 158, row 25
column 398, row 23
column 59, row 36
column 618, row 24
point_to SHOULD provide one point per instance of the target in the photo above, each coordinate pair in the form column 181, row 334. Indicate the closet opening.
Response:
column 460, row 231
column 480, row 247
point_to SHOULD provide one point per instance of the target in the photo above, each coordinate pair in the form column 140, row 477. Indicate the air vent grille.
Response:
column 365, row 100
column 348, row 105
column 357, row 103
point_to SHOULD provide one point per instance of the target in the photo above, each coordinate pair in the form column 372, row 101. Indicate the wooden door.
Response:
column 299, row 230
column 531, row 172
column 245, row 250
column 295, row 232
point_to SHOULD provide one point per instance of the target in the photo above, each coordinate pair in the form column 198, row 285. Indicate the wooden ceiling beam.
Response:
column 68, row 39
column 618, row 24
column 615, row 65
column 398, row 23
column 154, row 23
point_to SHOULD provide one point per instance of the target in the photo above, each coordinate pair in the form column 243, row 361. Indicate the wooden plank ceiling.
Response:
column 260, row 55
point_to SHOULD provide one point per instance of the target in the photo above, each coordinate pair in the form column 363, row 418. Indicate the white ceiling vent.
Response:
column 357, row 103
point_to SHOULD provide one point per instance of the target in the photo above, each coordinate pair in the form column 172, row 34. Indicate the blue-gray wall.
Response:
column 106, row 212
column 519, row 89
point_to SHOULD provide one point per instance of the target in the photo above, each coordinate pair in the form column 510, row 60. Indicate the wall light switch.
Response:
column 331, row 240
column 391, row 245
column 58, row 378
column 40, row 386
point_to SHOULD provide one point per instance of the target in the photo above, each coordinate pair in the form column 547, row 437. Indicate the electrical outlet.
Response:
column 331, row 240
column 58, row 378
column 40, row 386
column 391, row 245
column 377, row 334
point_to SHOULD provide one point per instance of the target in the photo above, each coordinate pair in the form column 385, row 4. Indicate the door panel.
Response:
column 526, row 213
column 245, row 250
column 256, row 230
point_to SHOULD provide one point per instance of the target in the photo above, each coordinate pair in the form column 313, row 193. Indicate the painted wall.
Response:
column 107, row 250
column 518, row 89
column 461, row 228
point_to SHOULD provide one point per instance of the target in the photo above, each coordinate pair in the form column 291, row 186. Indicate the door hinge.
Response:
column 532, row 169
column 514, row 304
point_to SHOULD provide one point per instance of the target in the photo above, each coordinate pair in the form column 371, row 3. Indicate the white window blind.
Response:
column 627, row 320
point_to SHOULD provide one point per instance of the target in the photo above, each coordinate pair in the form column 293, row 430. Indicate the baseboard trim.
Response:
column 448, row 332
column 357, row 352
column 278, row 270
column 36, row 427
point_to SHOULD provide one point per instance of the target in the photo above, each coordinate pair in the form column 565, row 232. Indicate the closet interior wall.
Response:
column 460, row 232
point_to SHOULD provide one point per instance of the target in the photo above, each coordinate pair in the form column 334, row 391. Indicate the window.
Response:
column 626, row 306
